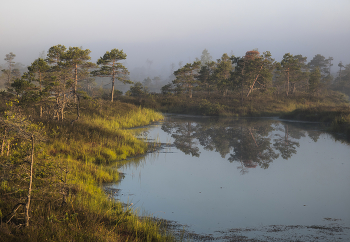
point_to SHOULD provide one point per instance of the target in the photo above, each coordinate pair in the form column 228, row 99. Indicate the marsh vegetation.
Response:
column 63, row 137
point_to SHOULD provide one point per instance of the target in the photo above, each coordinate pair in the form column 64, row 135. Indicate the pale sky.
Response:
column 167, row 31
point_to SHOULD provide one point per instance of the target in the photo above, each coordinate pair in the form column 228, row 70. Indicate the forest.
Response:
column 235, row 78
column 63, row 135
column 252, row 72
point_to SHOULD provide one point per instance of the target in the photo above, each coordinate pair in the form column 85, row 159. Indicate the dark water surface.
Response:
column 267, row 179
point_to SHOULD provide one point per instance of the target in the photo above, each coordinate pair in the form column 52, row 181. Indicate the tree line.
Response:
column 257, row 72
column 65, row 75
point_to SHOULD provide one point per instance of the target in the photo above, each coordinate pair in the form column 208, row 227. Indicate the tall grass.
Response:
column 215, row 104
column 138, row 117
column 69, row 203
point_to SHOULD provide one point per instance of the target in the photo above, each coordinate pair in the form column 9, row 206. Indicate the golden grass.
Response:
column 73, row 164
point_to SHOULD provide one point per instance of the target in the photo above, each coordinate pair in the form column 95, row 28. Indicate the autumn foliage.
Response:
column 252, row 54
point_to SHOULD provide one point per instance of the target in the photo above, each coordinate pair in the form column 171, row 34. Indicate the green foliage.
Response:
column 136, row 90
column 21, row 86
column 342, row 81
column 55, row 54
column 39, row 67
column 211, row 109
column 314, row 81
column 222, row 73
column 291, row 70
column 253, row 71
column 76, row 60
column 167, row 89
column 323, row 64
column 186, row 77
column 110, row 67
column 76, row 56
column 72, row 164
column 83, row 94
column 206, row 75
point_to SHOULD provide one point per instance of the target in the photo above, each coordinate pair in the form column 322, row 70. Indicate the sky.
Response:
column 169, row 31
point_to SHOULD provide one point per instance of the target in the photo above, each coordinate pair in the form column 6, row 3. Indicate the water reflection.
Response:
column 284, row 144
column 194, row 180
column 250, row 142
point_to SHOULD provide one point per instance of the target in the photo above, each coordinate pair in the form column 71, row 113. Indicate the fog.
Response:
column 166, row 32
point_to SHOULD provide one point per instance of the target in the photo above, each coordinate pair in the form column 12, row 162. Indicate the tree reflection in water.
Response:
column 250, row 142
column 284, row 144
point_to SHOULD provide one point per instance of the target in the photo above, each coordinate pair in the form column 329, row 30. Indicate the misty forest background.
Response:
column 230, row 75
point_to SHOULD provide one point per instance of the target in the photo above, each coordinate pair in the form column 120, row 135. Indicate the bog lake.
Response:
column 242, row 179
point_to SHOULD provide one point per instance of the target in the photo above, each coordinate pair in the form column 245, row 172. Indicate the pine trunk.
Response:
column 76, row 83
column 113, row 77
column 30, row 185
column 112, row 92
column 63, row 104
column 3, row 143
column 287, row 90
column 252, row 86
column 8, row 148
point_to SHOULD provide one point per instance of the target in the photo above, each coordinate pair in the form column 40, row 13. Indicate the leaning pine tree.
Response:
column 110, row 67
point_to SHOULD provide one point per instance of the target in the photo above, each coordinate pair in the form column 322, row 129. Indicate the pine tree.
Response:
column 110, row 67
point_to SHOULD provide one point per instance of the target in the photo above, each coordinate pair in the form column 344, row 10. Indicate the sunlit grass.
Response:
column 78, row 159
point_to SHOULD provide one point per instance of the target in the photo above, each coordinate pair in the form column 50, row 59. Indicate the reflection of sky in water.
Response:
column 209, row 193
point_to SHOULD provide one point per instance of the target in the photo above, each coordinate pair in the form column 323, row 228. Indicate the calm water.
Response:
column 249, row 175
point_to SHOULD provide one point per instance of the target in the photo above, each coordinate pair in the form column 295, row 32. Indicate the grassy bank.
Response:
column 331, row 107
column 215, row 104
column 337, row 117
column 67, row 201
